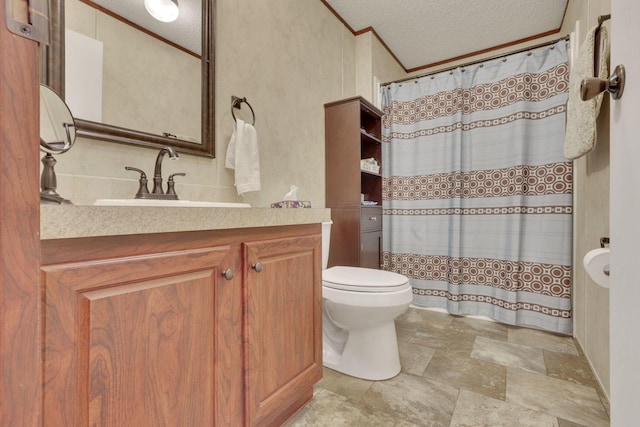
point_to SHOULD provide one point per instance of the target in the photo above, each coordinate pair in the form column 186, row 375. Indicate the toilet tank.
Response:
column 326, row 238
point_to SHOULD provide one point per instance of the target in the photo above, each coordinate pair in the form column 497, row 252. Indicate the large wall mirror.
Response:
column 131, row 79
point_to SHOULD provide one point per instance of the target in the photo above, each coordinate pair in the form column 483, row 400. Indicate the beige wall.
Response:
column 591, row 218
column 288, row 58
column 384, row 66
column 374, row 63
column 364, row 65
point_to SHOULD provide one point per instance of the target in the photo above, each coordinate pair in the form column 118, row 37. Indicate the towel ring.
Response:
column 235, row 103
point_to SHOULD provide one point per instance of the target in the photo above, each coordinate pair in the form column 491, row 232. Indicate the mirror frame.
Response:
column 52, row 73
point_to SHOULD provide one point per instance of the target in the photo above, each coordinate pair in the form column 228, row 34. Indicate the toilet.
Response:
column 359, row 307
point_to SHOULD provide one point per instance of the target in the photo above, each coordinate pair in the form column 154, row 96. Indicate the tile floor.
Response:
column 459, row 371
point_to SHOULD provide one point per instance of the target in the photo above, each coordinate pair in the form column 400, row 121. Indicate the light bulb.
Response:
column 163, row 10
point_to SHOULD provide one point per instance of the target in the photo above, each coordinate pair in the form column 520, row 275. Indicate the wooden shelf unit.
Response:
column 353, row 130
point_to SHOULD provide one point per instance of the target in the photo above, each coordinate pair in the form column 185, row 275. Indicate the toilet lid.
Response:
column 362, row 279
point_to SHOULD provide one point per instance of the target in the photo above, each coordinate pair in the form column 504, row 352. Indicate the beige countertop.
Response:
column 64, row 222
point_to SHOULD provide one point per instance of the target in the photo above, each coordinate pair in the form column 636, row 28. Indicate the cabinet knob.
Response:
column 228, row 274
column 257, row 267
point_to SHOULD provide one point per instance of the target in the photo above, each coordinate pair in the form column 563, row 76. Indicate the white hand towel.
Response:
column 244, row 157
column 580, row 135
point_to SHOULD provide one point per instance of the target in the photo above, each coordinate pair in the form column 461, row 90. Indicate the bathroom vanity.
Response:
column 147, row 324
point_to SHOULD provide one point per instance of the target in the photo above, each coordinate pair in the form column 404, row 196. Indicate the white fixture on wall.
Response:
column 163, row 10
column 596, row 263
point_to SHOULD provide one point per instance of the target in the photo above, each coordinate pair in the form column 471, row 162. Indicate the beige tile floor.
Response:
column 464, row 372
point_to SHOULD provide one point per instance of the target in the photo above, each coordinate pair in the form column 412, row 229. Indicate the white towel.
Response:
column 580, row 136
column 244, row 157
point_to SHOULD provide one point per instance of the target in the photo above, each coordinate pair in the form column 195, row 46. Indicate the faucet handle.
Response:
column 171, row 183
column 140, row 171
column 143, row 190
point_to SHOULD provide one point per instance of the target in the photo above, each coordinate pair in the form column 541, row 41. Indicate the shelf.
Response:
column 370, row 137
column 353, row 130
column 370, row 173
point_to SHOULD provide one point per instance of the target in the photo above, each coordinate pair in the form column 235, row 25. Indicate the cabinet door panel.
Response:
column 130, row 341
column 342, row 155
column 283, row 326
column 370, row 249
column 345, row 237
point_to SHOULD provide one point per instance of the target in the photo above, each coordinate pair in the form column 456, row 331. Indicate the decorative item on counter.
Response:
column 289, row 200
column 370, row 165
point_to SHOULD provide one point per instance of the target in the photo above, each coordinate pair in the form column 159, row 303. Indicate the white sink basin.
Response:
column 172, row 203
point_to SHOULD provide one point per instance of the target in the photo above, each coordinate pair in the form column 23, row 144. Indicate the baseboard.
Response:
column 603, row 393
column 444, row 310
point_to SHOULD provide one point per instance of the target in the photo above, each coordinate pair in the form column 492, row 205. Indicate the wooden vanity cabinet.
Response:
column 353, row 131
column 145, row 330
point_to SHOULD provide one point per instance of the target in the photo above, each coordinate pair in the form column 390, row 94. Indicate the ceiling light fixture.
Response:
column 163, row 10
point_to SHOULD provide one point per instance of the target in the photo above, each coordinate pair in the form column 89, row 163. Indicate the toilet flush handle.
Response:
column 257, row 267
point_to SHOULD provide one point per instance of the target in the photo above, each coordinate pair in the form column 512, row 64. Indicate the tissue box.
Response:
column 292, row 204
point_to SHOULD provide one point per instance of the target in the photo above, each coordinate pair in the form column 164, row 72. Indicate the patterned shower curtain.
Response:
column 477, row 195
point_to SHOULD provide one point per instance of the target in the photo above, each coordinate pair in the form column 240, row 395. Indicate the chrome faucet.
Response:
column 157, row 174
column 158, row 193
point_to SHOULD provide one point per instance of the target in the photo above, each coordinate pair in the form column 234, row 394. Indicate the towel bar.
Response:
column 590, row 88
column 235, row 103
column 596, row 42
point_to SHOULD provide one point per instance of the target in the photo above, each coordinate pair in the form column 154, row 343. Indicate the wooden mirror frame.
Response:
column 53, row 75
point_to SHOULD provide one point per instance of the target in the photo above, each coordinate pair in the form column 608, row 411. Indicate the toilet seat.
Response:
column 359, row 279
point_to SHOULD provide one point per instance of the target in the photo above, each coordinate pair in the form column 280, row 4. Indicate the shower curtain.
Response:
column 477, row 195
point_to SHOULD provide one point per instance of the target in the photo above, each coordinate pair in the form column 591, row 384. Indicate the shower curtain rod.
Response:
column 502, row 55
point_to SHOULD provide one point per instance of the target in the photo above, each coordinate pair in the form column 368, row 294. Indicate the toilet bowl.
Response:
column 359, row 307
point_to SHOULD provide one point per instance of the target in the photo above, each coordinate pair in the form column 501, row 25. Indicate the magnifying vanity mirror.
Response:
column 151, row 88
column 57, row 135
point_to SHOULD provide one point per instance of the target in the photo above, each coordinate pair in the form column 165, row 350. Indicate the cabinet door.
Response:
column 130, row 341
column 370, row 237
column 283, row 326
column 370, row 243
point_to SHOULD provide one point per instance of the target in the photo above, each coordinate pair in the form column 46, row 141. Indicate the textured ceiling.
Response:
column 184, row 31
column 423, row 32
